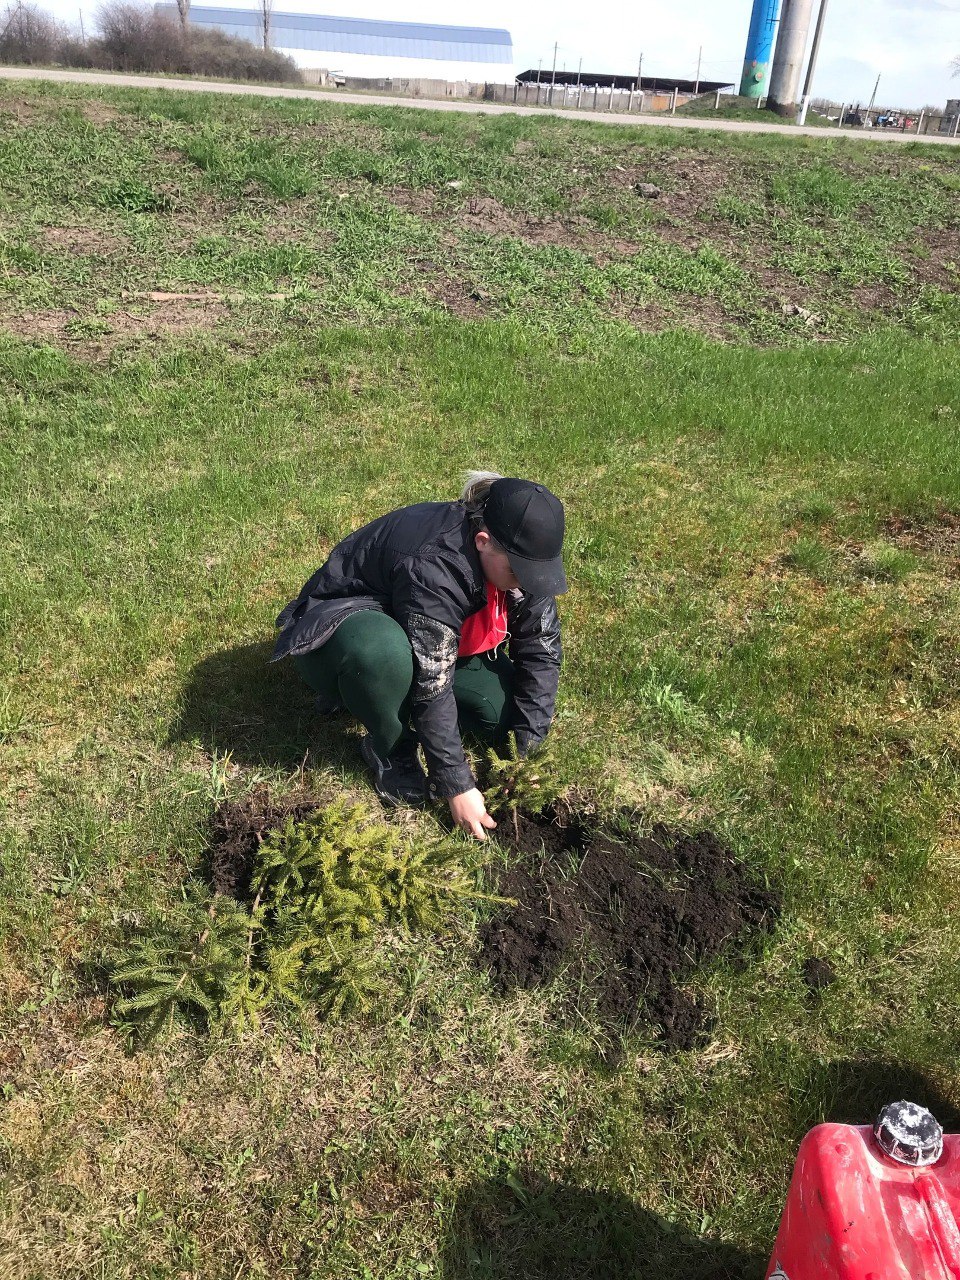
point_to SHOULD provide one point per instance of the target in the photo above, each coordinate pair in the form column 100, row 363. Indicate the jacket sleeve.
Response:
column 535, row 651
column 432, row 615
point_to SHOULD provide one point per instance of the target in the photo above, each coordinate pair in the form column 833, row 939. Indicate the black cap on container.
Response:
column 527, row 520
column 908, row 1133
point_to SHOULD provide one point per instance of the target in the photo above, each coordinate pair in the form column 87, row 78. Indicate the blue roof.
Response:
column 361, row 35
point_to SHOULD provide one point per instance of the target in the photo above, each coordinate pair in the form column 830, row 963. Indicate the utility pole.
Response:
column 640, row 73
column 788, row 59
column 812, row 64
column 696, row 87
column 83, row 35
column 553, row 74
column 579, row 69
column 873, row 96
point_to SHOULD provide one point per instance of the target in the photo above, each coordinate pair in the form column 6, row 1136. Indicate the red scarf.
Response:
column 486, row 628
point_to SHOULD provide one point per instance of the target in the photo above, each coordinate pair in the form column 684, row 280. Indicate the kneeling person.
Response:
column 406, row 624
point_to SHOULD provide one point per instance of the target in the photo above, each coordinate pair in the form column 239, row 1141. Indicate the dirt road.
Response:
column 448, row 104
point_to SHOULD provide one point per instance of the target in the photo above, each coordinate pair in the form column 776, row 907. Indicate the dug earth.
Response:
column 621, row 919
column 618, row 919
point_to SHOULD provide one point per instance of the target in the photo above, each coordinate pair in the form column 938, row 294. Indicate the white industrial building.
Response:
column 370, row 48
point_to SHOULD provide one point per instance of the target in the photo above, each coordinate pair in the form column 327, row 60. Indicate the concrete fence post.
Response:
column 673, row 102
column 630, row 100
column 843, row 107
column 596, row 90
column 610, row 103
column 640, row 103
column 579, row 97
column 716, row 105
column 956, row 126
column 920, row 121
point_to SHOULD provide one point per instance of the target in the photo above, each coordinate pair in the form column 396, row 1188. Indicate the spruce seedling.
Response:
column 345, row 977
column 520, row 781
column 185, row 968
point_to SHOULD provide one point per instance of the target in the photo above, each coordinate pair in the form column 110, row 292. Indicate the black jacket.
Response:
column 420, row 566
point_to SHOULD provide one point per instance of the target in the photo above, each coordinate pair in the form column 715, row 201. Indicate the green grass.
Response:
column 748, row 649
column 732, row 107
column 368, row 214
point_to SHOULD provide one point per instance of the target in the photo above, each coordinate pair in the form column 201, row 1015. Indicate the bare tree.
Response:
column 28, row 36
column 183, row 8
column 955, row 65
column 138, row 39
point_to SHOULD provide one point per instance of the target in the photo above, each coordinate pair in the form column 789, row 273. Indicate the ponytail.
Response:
column 475, row 490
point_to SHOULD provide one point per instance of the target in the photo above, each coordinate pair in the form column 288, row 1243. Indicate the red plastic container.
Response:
column 855, row 1212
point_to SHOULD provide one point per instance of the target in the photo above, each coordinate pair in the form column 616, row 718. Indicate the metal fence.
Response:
column 926, row 121
column 590, row 97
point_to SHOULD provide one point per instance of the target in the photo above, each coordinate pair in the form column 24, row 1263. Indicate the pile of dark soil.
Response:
column 237, row 830
column 627, row 918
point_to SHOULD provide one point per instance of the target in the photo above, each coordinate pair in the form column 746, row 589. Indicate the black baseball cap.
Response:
column 527, row 520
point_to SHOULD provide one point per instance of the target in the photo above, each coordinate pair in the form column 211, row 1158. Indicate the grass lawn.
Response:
column 746, row 392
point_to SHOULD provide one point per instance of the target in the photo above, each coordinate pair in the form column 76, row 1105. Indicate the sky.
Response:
column 908, row 43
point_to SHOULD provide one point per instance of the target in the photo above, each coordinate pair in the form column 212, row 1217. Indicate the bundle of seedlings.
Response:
column 326, row 890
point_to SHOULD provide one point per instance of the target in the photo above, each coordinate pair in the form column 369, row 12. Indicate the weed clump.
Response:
column 882, row 562
column 326, row 886
column 133, row 196
column 809, row 555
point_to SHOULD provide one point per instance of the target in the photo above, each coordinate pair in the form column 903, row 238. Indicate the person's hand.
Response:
column 469, row 812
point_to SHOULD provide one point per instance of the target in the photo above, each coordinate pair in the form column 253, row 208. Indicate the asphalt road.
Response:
column 456, row 104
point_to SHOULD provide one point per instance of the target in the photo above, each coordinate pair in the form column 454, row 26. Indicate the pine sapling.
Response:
column 324, row 888
column 423, row 878
column 345, row 976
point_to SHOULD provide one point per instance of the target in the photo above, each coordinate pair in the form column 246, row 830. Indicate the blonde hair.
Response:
column 475, row 489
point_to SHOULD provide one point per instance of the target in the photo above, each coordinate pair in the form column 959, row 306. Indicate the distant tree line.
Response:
column 130, row 37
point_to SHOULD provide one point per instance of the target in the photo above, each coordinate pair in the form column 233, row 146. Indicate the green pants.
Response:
column 367, row 665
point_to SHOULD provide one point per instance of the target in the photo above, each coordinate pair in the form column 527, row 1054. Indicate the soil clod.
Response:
column 818, row 974
column 626, row 917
